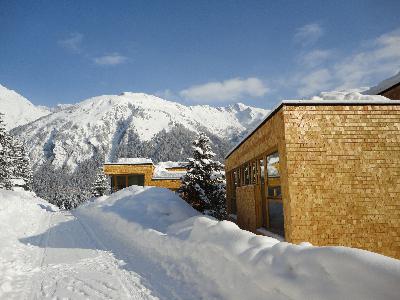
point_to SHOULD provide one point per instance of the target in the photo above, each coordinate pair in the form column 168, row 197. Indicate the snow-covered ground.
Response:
column 145, row 242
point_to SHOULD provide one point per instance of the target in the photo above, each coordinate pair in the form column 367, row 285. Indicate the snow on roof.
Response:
column 161, row 172
column 348, row 95
column 172, row 164
column 384, row 85
column 369, row 101
column 131, row 161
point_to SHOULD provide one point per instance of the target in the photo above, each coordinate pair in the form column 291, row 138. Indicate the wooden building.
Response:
column 141, row 171
column 324, row 172
column 390, row 88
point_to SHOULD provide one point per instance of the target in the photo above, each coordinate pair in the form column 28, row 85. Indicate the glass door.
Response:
column 264, row 207
column 274, row 196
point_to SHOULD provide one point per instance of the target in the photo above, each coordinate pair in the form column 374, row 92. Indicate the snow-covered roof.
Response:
column 384, row 85
column 161, row 172
column 131, row 161
column 160, row 169
column 311, row 102
column 172, row 164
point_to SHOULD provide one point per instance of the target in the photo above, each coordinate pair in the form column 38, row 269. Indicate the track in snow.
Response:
column 74, row 264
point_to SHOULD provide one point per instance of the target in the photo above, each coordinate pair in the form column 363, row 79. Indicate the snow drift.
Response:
column 219, row 260
column 22, row 214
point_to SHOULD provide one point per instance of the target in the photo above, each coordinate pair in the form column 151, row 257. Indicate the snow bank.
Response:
column 224, row 261
column 13, row 205
column 22, row 214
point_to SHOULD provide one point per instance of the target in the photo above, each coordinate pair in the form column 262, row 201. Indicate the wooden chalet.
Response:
column 141, row 171
column 324, row 172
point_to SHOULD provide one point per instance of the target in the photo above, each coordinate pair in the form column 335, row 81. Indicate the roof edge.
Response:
column 132, row 164
column 277, row 107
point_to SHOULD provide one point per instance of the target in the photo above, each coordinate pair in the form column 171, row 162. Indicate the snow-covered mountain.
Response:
column 17, row 109
column 132, row 124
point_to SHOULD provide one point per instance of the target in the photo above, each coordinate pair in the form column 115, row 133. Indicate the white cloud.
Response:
column 379, row 59
column 318, row 80
column 315, row 57
column 308, row 34
column 110, row 60
column 228, row 90
column 73, row 42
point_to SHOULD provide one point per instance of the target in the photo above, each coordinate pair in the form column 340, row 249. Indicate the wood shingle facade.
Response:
column 325, row 172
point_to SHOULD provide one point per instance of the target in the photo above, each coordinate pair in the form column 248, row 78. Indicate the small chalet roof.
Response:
column 161, row 172
column 172, row 164
column 384, row 85
column 131, row 161
column 307, row 103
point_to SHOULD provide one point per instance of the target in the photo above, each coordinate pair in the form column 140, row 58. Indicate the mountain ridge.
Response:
column 17, row 109
column 117, row 124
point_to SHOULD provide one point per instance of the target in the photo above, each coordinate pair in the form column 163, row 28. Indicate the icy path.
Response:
column 71, row 263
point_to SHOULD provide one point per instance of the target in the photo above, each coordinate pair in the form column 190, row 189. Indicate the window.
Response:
column 234, row 185
column 264, row 214
column 136, row 179
column 120, row 182
column 246, row 175
column 254, row 172
column 274, row 195
column 273, row 173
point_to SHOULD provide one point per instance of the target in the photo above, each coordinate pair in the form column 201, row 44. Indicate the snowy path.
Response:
column 72, row 263
column 146, row 243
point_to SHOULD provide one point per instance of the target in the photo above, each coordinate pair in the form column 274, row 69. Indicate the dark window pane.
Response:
column 262, row 171
column 276, row 220
column 121, row 182
column 137, row 179
column 274, row 192
column 254, row 173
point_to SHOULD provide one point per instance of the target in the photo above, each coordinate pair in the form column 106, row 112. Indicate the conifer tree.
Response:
column 203, row 186
column 101, row 185
column 5, row 156
column 21, row 165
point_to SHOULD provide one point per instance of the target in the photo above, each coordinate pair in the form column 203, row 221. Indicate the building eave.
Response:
column 310, row 103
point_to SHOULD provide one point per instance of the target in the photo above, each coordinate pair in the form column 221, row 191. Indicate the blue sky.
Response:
column 206, row 52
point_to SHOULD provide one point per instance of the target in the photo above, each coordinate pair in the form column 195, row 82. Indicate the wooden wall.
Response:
column 247, row 207
column 147, row 170
column 343, row 165
column 115, row 169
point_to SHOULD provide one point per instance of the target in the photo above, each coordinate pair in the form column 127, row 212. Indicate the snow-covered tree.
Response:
column 5, row 156
column 101, row 185
column 22, row 172
column 203, row 186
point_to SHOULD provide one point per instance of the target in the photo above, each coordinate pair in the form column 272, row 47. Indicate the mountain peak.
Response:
column 17, row 109
column 134, row 122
